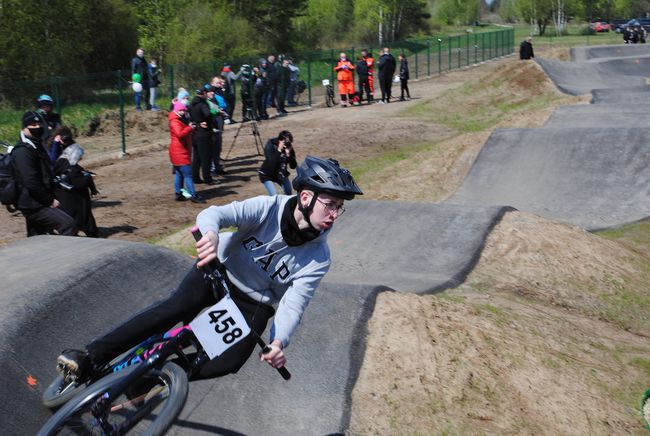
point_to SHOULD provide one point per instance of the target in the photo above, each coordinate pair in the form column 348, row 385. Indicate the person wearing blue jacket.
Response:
column 274, row 260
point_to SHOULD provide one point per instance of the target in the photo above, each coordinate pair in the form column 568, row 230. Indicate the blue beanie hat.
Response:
column 182, row 93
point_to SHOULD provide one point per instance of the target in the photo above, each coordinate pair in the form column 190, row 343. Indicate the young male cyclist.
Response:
column 276, row 257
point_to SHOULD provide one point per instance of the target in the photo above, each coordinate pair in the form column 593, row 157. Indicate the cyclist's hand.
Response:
column 275, row 357
column 206, row 248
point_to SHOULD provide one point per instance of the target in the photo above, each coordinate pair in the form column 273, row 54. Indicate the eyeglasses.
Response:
column 332, row 207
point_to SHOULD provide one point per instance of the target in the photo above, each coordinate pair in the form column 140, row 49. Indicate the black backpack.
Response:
column 8, row 183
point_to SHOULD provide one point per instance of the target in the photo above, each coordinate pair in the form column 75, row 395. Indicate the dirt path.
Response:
column 137, row 201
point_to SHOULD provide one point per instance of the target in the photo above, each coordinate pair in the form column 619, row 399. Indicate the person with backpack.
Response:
column 35, row 182
column 274, row 261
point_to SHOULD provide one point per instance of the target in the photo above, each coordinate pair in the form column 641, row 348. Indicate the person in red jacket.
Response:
column 180, row 152
column 345, row 76
column 370, row 61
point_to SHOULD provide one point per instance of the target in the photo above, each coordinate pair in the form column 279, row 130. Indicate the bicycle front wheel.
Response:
column 149, row 406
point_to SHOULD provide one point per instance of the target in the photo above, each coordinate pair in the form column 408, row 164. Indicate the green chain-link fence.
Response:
column 82, row 100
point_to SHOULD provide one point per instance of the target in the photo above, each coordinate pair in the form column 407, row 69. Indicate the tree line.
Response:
column 44, row 38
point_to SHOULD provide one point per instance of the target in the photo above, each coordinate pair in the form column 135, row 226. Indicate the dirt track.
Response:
column 136, row 199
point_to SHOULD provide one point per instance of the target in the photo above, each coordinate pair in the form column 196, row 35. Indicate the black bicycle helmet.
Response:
column 325, row 176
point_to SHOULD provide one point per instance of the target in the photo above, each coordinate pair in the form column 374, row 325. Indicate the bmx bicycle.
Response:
column 329, row 93
column 143, row 390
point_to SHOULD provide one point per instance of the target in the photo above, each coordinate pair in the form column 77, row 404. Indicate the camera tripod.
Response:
column 254, row 131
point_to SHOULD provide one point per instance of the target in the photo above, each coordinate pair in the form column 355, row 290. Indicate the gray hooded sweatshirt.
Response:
column 261, row 264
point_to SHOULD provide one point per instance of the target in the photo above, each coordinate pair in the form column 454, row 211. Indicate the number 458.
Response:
column 222, row 326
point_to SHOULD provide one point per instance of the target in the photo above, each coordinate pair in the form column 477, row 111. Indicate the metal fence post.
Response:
column 439, row 56
column 449, row 50
column 416, row 65
column 482, row 47
column 309, row 82
column 332, row 65
column 121, row 92
column 475, row 48
column 56, row 92
column 467, row 48
column 428, row 58
column 459, row 50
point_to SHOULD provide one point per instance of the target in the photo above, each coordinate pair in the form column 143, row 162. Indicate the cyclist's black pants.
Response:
column 192, row 296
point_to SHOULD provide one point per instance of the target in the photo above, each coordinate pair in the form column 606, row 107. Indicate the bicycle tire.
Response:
column 169, row 382
column 329, row 99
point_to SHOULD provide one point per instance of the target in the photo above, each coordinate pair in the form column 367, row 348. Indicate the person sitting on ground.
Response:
column 294, row 226
column 345, row 76
column 74, row 189
column 35, row 179
column 278, row 155
column 180, row 153
column 57, row 142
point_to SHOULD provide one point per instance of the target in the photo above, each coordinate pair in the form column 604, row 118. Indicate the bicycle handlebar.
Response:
column 216, row 265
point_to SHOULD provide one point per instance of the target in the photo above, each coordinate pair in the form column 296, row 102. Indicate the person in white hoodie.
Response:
column 276, row 257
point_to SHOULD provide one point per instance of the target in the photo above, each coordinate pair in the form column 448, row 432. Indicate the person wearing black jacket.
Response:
column 36, row 200
column 404, row 76
column 278, row 155
column 272, row 79
column 387, row 66
column 75, row 188
column 526, row 49
column 364, row 82
column 139, row 66
column 202, row 138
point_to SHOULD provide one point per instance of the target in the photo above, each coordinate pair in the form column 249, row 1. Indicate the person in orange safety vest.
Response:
column 345, row 76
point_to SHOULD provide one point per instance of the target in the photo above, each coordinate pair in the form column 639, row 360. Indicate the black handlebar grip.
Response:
column 284, row 372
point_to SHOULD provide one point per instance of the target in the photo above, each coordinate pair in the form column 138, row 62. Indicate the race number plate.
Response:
column 220, row 327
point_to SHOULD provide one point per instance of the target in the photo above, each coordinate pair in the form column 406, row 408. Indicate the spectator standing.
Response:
column 180, row 152
column 247, row 79
column 386, row 70
column 526, row 49
column 36, row 200
column 50, row 119
column 284, row 74
column 271, row 81
column 294, row 76
column 279, row 155
column 139, row 66
column 364, row 83
column 154, row 80
column 219, row 119
column 75, row 189
column 260, row 91
column 202, row 139
column 230, row 80
column 370, row 62
column 345, row 77
column 404, row 76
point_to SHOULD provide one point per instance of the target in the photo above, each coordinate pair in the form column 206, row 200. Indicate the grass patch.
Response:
column 485, row 102
column 635, row 236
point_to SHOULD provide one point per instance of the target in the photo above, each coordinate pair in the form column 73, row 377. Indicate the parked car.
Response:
column 599, row 26
column 617, row 25
column 636, row 22
column 635, row 32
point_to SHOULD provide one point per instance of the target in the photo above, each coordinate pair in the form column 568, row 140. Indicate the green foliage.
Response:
column 385, row 21
column 47, row 37
column 458, row 12
column 324, row 23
